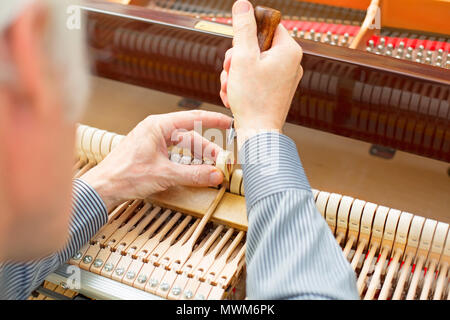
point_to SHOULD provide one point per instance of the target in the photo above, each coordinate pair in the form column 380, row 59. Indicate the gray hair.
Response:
column 64, row 46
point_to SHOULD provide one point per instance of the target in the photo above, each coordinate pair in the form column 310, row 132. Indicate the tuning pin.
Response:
column 329, row 35
column 390, row 47
column 336, row 38
column 383, row 41
column 380, row 48
column 440, row 52
column 345, row 39
column 410, row 50
column 368, row 49
column 408, row 56
column 371, row 44
column 319, row 37
column 419, row 55
column 437, row 64
column 447, row 64
column 429, row 53
column 312, row 34
column 428, row 60
column 302, row 34
column 400, row 53
column 439, row 58
column 421, row 48
column 401, row 45
column 295, row 31
column 388, row 53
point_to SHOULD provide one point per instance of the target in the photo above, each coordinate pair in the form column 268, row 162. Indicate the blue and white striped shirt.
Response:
column 89, row 214
column 291, row 252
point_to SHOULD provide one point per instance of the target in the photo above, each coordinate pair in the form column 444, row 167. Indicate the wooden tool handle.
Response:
column 267, row 20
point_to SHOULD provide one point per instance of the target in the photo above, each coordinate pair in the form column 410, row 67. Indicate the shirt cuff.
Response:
column 89, row 214
column 270, row 164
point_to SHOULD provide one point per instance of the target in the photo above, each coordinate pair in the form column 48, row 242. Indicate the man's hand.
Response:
column 259, row 87
column 139, row 166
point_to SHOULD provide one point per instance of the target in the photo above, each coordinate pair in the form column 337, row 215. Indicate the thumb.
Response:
column 244, row 27
column 196, row 175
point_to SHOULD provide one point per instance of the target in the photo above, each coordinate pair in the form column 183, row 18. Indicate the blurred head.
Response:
column 43, row 86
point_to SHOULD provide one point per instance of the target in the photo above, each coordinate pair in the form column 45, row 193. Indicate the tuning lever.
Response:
column 267, row 20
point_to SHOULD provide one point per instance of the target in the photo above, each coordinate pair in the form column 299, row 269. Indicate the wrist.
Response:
column 105, row 188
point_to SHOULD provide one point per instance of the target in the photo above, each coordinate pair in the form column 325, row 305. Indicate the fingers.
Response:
column 223, row 88
column 227, row 60
column 281, row 37
column 224, row 97
column 190, row 119
column 199, row 146
column 244, row 28
column 196, row 175
column 283, row 44
column 223, row 81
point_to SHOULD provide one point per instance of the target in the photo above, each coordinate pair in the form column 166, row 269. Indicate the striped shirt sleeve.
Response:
column 291, row 252
column 89, row 214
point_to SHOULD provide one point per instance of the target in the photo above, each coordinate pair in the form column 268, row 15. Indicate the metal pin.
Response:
column 295, row 30
column 98, row 263
column 231, row 133
column 176, row 291
column 329, row 35
column 368, row 49
column 108, row 267
column 408, row 56
column 390, row 47
column 447, row 64
column 165, row 286
column 421, row 48
column 401, row 45
column 188, row 294
column 142, row 278
column 153, row 282
column 87, row 259
column 428, row 60
column 371, row 44
column 440, row 52
column 388, row 53
column 382, row 41
column 311, row 34
column 429, row 53
column 120, row 271
column 438, row 64
column 319, row 37
column 77, row 256
column 409, row 50
column 302, row 34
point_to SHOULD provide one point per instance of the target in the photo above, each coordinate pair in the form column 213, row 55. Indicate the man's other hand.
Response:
column 259, row 87
column 139, row 166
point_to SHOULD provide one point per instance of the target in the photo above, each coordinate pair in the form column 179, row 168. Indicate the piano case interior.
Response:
column 370, row 119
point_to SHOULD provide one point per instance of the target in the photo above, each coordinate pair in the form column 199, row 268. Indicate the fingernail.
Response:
column 241, row 7
column 215, row 178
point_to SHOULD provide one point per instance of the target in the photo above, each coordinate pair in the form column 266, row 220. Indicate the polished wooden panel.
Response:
column 382, row 100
